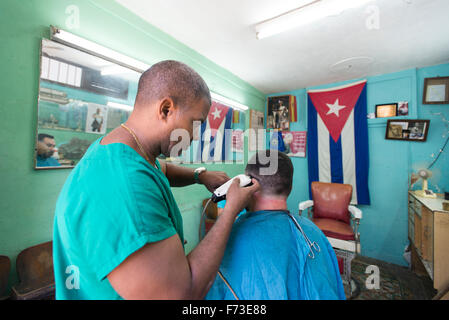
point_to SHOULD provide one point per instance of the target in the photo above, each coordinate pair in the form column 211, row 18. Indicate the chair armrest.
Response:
column 306, row 205
column 356, row 212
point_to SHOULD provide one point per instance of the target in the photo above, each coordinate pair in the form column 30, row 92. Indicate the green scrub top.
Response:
column 112, row 204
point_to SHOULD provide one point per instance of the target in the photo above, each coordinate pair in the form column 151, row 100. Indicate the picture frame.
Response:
column 278, row 112
column 436, row 90
column 257, row 126
column 387, row 110
column 407, row 130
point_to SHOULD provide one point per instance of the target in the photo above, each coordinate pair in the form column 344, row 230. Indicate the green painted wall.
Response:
column 28, row 197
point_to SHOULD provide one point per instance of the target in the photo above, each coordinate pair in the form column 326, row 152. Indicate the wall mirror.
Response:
column 81, row 98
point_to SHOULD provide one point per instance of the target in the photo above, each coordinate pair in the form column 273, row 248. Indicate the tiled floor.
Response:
column 396, row 282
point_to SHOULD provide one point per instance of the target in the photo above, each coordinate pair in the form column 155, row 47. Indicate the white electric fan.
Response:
column 425, row 175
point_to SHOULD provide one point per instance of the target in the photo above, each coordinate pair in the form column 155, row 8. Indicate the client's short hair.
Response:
column 280, row 182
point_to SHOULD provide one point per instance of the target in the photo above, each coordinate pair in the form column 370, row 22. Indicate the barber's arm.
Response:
column 181, row 176
column 161, row 271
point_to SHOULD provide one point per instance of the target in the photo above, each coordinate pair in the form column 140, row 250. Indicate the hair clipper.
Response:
column 220, row 193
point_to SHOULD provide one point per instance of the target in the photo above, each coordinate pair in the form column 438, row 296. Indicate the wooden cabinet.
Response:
column 428, row 226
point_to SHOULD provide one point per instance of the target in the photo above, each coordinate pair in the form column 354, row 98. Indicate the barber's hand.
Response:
column 213, row 180
column 238, row 197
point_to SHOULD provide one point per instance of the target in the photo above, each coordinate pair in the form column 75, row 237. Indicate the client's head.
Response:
column 274, row 188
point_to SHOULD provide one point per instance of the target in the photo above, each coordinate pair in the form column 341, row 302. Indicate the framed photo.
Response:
column 278, row 113
column 408, row 130
column 387, row 110
column 256, row 134
column 436, row 90
column 403, row 109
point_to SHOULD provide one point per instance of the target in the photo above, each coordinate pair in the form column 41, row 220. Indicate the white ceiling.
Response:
column 412, row 33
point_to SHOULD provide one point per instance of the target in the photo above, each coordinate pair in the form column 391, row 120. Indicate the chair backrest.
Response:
column 35, row 265
column 5, row 267
column 331, row 201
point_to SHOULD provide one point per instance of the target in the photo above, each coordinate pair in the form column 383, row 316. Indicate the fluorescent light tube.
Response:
column 120, row 106
column 308, row 13
column 96, row 49
column 228, row 102
column 122, row 60
column 114, row 70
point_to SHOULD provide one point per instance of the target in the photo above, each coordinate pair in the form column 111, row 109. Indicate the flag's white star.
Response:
column 335, row 108
column 216, row 114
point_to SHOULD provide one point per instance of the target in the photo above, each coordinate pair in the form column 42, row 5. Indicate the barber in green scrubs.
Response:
column 118, row 232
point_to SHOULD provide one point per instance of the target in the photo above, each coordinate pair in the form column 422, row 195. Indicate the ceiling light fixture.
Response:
column 310, row 11
column 234, row 105
column 96, row 49
column 114, row 70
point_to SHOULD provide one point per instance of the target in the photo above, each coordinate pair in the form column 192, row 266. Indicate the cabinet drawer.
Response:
column 418, row 208
column 417, row 231
column 411, row 214
column 427, row 234
column 411, row 231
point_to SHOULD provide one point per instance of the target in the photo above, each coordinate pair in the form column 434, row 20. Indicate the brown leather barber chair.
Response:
column 331, row 211
column 5, row 267
column 35, row 271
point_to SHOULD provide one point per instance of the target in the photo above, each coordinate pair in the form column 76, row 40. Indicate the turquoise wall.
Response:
column 384, row 233
column 28, row 197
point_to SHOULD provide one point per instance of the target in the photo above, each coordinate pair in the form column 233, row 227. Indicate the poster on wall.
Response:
column 97, row 118
column 291, row 143
column 256, row 133
column 295, row 143
column 237, row 141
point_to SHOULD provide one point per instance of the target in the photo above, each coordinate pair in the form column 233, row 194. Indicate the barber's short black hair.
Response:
column 43, row 136
column 172, row 79
column 281, row 181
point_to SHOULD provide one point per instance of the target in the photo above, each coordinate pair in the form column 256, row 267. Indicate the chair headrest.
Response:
column 331, row 201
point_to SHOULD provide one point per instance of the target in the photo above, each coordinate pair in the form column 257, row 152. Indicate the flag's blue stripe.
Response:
column 336, row 160
column 201, row 142
column 312, row 142
column 362, row 149
column 227, row 140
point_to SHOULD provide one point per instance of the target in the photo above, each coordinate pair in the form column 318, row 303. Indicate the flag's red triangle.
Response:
column 334, row 106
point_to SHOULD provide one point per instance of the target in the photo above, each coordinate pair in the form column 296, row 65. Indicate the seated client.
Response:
column 269, row 256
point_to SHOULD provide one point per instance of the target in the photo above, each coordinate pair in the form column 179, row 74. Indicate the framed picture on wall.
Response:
column 278, row 113
column 436, row 90
column 408, row 130
column 256, row 133
column 387, row 110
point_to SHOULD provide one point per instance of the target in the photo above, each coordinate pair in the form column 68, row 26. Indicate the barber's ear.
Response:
column 166, row 108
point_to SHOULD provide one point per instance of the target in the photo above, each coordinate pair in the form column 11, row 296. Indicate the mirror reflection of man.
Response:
column 97, row 124
column 46, row 149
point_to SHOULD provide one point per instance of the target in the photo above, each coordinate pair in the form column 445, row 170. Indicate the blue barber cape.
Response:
column 267, row 259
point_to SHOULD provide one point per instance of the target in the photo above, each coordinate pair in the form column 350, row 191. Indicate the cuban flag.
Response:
column 216, row 135
column 338, row 138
